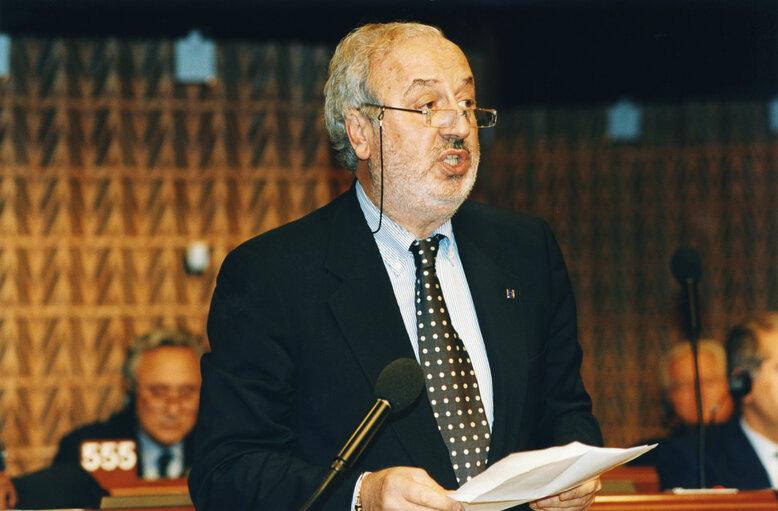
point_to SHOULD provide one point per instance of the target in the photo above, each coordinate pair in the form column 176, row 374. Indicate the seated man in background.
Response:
column 741, row 453
column 677, row 378
column 676, row 375
column 162, row 375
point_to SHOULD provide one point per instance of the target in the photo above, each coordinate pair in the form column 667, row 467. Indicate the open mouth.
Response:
column 455, row 162
column 451, row 159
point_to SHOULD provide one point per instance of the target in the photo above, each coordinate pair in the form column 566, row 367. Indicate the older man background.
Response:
column 742, row 453
column 162, row 377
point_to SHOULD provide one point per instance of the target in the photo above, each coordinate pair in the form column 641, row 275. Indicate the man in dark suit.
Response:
column 742, row 453
column 676, row 371
column 163, row 381
column 676, row 374
column 305, row 317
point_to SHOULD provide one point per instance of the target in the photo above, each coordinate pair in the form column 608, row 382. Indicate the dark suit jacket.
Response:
column 65, row 483
column 730, row 460
column 649, row 459
column 302, row 321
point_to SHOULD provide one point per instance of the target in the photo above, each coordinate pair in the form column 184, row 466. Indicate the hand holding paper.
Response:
column 529, row 476
column 578, row 498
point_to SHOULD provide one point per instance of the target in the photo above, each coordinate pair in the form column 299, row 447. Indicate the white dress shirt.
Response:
column 150, row 452
column 393, row 243
column 766, row 450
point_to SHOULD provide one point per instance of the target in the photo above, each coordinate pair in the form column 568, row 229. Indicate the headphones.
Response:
column 741, row 378
column 740, row 383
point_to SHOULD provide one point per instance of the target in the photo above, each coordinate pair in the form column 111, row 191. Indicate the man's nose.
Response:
column 173, row 407
column 461, row 127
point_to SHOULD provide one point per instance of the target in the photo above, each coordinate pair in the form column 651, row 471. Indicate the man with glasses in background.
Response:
column 741, row 453
column 305, row 317
column 162, row 378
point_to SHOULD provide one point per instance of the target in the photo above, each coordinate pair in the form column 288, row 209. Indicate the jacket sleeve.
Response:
column 567, row 407
column 243, row 439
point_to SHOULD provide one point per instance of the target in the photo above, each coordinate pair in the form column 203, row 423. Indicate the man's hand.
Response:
column 576, row 499
column 8, row 495
column 404, row 488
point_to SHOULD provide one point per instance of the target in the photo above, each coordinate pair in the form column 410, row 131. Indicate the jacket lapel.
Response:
column 367, row 312
column 502, row 317
column 743, row 463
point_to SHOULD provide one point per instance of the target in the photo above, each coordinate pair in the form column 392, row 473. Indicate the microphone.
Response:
column 686, row 266
column 397, row 387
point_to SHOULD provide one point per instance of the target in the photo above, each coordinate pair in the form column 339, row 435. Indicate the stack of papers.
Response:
column 527, row 476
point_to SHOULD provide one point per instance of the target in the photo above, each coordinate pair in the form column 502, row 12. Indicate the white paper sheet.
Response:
column 526, row 476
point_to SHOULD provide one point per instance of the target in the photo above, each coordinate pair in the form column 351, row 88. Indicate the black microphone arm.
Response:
column 397, row 387
column 686, row 266
column 362, row 436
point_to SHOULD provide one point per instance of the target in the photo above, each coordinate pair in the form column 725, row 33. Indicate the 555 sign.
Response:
column 109, row 455
column 111, row 462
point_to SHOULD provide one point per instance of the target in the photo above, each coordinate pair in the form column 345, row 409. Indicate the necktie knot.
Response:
column 424, row 251
column 163, row 463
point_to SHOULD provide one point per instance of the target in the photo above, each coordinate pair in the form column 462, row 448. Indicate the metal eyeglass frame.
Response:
column 429, row 112
column 427, row 123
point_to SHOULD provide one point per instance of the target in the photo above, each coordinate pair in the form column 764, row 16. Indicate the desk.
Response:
column 171, row 495
column 761, row 500
column 629, row 479
column 167, row 494
column 633, row 488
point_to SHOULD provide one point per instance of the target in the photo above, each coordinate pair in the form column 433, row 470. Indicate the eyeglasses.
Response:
column 447, row 117
column 158, row 397
column 704, row 382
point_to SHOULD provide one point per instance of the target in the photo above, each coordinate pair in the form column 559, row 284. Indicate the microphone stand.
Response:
column 353, row 449
column 694, row 338
column 397, row 387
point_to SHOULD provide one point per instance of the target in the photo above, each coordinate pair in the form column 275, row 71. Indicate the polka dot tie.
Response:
column 451, row 384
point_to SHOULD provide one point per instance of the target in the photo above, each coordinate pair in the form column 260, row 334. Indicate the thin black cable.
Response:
column 701, row 442
column 381, row 151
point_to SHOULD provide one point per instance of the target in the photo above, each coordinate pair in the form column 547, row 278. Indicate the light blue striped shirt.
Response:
column 393, row 243
column 151, row 451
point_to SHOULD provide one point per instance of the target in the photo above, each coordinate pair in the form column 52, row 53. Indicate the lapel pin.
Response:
column 510, row 294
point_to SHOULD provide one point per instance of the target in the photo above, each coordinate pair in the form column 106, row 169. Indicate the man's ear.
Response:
column 127, row 386
column 359, row 129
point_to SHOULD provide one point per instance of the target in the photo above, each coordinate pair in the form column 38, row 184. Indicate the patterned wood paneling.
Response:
column 108, row 168
column 702, row 174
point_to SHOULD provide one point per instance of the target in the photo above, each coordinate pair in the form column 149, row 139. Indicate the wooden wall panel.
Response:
column 702, row 174
column 108, row 168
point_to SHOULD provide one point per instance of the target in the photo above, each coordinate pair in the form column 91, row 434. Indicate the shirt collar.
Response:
column 764, row 447
column 394, row 241
column 149, row 446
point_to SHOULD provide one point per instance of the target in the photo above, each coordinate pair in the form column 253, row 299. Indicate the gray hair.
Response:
column 709, row 346
column 153, row 340
column 349, row 84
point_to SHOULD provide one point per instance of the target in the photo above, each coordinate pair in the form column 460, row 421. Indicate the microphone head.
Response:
column 400, row 383
column 686, row 265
